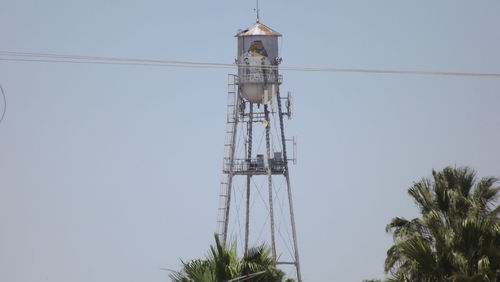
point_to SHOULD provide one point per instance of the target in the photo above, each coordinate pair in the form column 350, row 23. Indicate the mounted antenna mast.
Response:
column 257, row 10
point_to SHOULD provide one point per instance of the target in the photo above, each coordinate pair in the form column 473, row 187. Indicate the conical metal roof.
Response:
column 258, row 29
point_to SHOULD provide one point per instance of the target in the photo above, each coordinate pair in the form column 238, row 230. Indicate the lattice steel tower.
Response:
column 256, row 198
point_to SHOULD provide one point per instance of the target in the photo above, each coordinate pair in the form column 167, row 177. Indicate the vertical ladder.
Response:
column 231, row 120
column 229, row 147
column 221, row 212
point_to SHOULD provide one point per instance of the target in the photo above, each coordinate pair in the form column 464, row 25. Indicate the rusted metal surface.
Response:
column 258, row 29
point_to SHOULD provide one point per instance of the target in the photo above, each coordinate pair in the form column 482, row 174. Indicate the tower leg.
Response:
column 270, row 181
column 249, row 177
column 289, row 190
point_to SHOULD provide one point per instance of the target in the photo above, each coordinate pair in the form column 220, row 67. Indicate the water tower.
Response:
column 256, row 198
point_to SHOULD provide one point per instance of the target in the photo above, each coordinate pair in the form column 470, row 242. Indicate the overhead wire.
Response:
column 79, row 59
column 117, row 59
column 105, row 63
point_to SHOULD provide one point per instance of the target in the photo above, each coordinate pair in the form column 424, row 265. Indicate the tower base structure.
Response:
column 256, row 204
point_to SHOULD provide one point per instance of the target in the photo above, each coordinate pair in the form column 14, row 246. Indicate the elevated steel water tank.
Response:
column 258, row 61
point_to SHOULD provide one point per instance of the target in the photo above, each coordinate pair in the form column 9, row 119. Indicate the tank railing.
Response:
column 256, row 117
column 255, row 165
column 259, row 78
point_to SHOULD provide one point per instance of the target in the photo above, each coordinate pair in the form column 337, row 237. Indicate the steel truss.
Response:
column 252, row 164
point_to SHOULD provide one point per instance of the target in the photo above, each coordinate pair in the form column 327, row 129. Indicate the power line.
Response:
column 113, row 59
column 105, row 63
column 79, row 59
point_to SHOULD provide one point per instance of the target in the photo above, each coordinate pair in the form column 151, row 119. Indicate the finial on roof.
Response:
column 257, row 10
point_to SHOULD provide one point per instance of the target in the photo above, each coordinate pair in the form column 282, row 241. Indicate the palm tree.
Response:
column 258, row 259
column 457, row 237
column 223, row 265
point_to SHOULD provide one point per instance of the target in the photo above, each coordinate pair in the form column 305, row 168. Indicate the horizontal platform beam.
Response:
column 254, row 172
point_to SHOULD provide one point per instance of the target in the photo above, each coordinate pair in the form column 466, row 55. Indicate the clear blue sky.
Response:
column 108, row 173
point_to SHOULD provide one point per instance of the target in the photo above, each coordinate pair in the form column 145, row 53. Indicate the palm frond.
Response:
column 458, row 236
